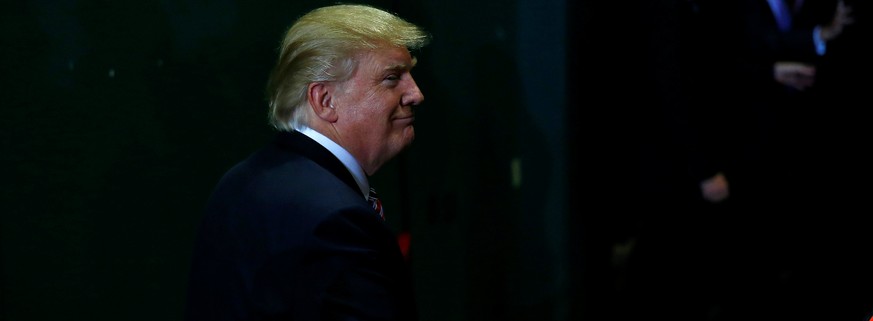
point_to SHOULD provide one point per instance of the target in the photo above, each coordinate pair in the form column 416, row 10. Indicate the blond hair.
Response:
column 321, row 46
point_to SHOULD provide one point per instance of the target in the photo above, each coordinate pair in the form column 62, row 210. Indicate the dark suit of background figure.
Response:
column 288, row 236
column 773, row 127
column 780, row 238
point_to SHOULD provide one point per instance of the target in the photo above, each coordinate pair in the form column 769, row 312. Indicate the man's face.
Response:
column 375, row 107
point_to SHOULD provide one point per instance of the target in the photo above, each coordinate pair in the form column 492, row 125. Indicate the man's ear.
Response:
column 320, row 96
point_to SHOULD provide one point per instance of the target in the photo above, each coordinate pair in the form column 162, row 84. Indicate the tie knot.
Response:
column 374, row 200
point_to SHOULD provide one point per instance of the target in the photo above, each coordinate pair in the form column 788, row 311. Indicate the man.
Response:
column 781, row 94
column 289, row 233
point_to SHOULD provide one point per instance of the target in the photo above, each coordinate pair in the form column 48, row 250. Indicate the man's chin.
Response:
column 409, row 134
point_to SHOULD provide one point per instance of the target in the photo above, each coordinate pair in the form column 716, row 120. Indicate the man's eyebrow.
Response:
column 399, row 68
column 402, row 66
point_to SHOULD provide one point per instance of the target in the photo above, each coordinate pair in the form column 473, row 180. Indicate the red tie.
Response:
column 403, row 239
column 376, row 203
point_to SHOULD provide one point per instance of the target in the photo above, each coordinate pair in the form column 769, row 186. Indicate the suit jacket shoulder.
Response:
column 287, row 233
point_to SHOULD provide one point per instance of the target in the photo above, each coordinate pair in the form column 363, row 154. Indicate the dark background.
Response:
column 546, row 126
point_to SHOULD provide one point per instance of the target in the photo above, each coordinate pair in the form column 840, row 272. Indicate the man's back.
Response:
column 284, row 237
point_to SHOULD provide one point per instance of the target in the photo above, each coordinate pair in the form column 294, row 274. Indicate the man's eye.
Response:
column 392, row 77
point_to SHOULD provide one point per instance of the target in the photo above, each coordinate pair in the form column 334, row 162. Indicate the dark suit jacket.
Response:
column 756, row 130
column 287, row 235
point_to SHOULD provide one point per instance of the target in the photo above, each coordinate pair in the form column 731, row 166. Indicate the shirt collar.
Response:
column 343, row 155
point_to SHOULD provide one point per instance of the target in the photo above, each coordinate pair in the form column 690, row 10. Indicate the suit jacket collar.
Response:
column 306, row 147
